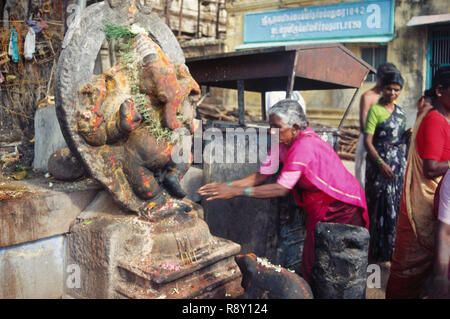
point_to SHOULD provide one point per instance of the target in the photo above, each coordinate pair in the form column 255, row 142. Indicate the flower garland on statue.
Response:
column 125, row 35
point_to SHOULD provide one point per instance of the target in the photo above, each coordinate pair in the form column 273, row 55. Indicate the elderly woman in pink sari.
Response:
column 322, row 186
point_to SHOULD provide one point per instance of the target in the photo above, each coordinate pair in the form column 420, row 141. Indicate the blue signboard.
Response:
column 343, row 20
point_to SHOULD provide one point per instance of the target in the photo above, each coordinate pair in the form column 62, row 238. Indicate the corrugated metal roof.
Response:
column 313, row 66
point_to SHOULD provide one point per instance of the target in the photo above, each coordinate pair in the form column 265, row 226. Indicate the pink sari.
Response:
column 337, row 196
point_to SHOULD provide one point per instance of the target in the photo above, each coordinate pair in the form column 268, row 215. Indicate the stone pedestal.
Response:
column 118, row 255
column 340, row 262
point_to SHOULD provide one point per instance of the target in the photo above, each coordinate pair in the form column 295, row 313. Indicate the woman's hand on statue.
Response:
column 386, row 171
column 217, row 191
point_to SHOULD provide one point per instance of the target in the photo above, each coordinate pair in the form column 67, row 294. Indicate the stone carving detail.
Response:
column 119, row 123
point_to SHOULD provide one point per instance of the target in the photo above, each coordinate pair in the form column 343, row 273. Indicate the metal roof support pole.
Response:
column 290, row 85
column 241, row 109
column 263, row 106
column 291, row 79
column 351, row 101
column 348, row 108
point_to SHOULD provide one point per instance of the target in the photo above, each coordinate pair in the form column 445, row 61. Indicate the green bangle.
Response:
column 248, row 191
column 380, row 161
column 229, row 183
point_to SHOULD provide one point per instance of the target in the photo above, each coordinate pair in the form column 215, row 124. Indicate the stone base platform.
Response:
column 33, row 209
column 213, row 277
column 71, row 240
column 35, row 216
column 121, row 256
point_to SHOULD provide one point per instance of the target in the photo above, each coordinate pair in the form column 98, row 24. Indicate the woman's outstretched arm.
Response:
column 236, row 188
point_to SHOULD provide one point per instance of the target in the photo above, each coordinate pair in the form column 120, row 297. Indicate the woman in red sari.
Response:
column 428, row 161
column 325, row 189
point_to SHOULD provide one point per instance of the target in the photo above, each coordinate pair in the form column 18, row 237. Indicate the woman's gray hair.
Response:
column 290, row 112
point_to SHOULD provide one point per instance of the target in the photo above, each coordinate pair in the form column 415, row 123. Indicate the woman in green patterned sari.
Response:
column 385, row 140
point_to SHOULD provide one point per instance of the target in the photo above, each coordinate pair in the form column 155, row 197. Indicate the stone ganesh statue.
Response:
column 119, row 125
column 131, row 112
column 124, row 123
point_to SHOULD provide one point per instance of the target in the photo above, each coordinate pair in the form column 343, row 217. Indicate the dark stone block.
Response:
column 64, row 166
column 262, row 280
column 340, row 264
